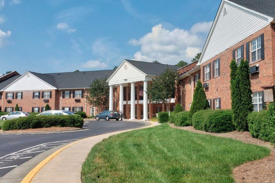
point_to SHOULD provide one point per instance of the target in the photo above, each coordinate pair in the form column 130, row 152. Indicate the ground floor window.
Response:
column 35, row 109
column 92, row 111
column 209, row 102
column 217, row 103
column 66, row 108
column 8, row 109
column 257, row 98
column 77, row 109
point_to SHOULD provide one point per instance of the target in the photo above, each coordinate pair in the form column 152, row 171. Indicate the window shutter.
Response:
column 50, row 94
column 220, row 103
column 234, row 54
column 213, row 66
column 81, row 108
column 209, row 70
column 242, row 52
column 203, row 73
column 69, row 108
column 73, row 94
column 81, row 94
column 247, row 51
column 32, row 109
column 63, row 94
column 12, row 95
column 219, row 66
column 6, row 95
column 69, row 94
column 210, row 103
column 262, row 46
column 38, row 94
column 263, row 103
column 214, row 103
column 21, row 95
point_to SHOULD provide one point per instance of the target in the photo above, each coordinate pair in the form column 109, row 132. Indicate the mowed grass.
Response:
column 164, row 154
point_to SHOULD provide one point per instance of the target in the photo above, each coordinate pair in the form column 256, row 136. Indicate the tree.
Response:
column 156, row 62
column 115, row 67
column 99, row 93
column 7, row 72
column 181, row 63
column 16, row 108
column 197, row 57
column 178, row 108
column 163, row 87
column 199, row 100
column 233, row 84
column 47, row 107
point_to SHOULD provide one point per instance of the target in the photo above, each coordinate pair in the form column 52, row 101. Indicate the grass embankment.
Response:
column 164, row 154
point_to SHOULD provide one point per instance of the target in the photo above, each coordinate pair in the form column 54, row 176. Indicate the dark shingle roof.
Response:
column 71, row 80
column 150, row 68
column 8, row 81
column 266, row 7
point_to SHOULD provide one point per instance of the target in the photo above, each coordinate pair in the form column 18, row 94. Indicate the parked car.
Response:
column 13, row 115
column 107, row 115
column 55, row 112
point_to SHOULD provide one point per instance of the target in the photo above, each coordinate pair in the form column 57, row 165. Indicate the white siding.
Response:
column 29, row 82
column 127, row 73
column 235, row 26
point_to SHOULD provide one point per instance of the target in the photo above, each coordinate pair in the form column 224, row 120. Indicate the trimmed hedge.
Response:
column 261, row 126
column 172, row 118
column 43, row 122
column 3, row 113
column 82, row 114
column 182, row 119
column 178, row 108
column 163, row 117
column 213, row 120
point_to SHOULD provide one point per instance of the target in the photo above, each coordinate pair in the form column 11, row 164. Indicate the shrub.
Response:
column 163, row 117
column 47, row 107
column 213, row 120
column 255, row 121
column 172, row 118
column 43, row 122
column 3, row 113
column 82, row 114
column 182, row 119
column 178, row 108
column 16, row 107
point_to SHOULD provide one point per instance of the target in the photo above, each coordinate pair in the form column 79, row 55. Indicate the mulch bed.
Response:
column 259, row 171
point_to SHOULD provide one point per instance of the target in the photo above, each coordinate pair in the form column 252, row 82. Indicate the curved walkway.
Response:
column 259, row 171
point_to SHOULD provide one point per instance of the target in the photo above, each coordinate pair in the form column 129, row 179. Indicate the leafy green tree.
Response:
column 199, row 100
column 47, row 107
column 182, row 63
column 115, row 67
column 99, row 93
column 156, row 62
column 16, row 108
column 233, row 84
column 197, row 57
column 178, row 108
column 163, row 87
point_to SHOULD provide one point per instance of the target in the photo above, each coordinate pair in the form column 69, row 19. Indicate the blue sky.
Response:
column 65, row 35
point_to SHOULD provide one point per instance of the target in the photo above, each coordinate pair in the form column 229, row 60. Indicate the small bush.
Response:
column 43, row 122
column 178, row 108
column 213, row 120
column 163, row 117
column 172, row 117
column 182, row 119
column 82, row 114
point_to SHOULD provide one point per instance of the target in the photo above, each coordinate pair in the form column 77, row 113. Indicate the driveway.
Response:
column 16, row 149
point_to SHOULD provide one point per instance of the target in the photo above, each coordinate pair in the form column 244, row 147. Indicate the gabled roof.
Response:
column 8, row 79
column 266, row 7
column 153, row 69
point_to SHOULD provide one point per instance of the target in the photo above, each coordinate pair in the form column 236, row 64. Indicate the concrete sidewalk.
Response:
column 66, row 166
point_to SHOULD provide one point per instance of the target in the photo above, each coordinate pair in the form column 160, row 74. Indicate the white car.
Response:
column 55, row 112
column 13, row 115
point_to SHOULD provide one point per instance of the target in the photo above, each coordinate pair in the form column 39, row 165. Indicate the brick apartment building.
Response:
column 66, row 91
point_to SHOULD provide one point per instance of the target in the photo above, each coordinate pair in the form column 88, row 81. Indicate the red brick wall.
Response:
column 220, row 87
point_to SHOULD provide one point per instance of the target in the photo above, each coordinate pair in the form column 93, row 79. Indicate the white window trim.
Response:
column 47, row 94
column 207, row 72
column 257, row 49
column 238, row 55
column 10, row 95
column 78, row 95
column 216, row 68
column 259, row 100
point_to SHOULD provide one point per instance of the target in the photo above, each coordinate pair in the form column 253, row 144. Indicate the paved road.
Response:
column 17, row 149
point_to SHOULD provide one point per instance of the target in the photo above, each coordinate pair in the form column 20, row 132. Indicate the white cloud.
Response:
column 65, row 27
column 3, row 36
column 167, row 46
column 2, row 4
column 2, row 20
column 201, row 27
column 94, row 64
column 15, row 2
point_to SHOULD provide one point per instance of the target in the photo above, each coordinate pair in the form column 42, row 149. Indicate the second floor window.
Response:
column 207, row 72
column 10, row 95
column 255, row 49
column 19, row 95
column 216, row 68
column 36, row 94
column 47, row 94
column 78, row 94
column 66, row 94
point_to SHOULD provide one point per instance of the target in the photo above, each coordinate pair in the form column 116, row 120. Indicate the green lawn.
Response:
column 164, row 154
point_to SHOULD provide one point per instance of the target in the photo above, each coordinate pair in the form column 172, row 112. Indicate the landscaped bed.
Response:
column 164, row 154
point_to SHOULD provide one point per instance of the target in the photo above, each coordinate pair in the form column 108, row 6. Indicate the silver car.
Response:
column 55, row 112
column 13, row 115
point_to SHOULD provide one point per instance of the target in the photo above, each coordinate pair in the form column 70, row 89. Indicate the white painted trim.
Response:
column 269, row 19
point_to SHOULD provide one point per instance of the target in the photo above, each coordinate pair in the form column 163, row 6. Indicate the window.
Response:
column 19, row 95
column 0, row 96
column 216, row 68
column 238, row 55
column 197, row 78
column 207, row 72
column 78, row 94
column 36, row 94
column 8, row 109
column 76, row 109
column 35, row 109
column 66, row 108
column 9, row 95
column 42, row 109
column 257, row 99
column 209, row 102
column 255, row 49
column 47, row 94
column 66, row 94
column 217, row 103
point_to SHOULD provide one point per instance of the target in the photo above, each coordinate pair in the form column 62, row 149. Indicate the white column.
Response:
column 145, row 101
column 121, row 98
column 111, row 98
column 133, row 101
